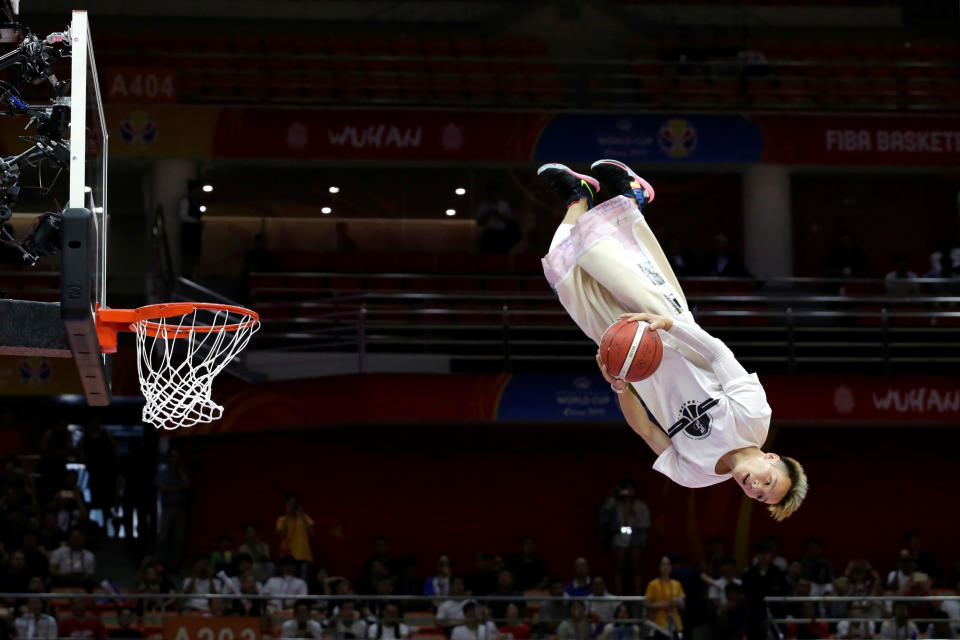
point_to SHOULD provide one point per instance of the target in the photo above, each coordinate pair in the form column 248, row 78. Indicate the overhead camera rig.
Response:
column 34, row 59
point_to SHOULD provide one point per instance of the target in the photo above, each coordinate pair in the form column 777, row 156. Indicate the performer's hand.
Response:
column 656, row 322
column 618, row 385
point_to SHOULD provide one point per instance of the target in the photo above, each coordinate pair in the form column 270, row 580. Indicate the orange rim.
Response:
column 112, row 321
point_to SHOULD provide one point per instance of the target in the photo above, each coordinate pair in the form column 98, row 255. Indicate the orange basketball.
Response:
column 631, row 350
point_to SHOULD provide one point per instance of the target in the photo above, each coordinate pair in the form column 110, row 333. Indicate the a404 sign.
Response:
column 141, row 85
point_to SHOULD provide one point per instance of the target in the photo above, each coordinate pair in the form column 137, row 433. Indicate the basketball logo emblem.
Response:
column 677, row 137
column 138, row 128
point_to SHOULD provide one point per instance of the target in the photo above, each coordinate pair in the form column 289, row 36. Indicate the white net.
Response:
column 178, row 358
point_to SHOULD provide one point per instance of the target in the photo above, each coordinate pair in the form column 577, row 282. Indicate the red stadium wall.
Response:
column 459, row 489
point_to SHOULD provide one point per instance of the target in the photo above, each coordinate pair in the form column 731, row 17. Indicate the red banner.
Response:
column 377, row 135
column 861, row 140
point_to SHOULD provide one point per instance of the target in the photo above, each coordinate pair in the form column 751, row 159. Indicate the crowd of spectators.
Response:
column 50, row 544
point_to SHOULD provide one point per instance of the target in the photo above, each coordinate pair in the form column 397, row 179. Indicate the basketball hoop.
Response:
column 181, row 347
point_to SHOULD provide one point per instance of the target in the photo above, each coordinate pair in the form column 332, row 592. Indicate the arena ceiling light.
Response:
column 451, row 212
column 460, row 191
column 207, row 188
column 203, row 208
column 334, row 189
column 326, row 210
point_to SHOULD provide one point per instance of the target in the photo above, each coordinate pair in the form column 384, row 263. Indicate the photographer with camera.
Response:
column 624, row 520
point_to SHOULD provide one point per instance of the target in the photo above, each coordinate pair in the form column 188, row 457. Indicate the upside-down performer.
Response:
column 605, row 264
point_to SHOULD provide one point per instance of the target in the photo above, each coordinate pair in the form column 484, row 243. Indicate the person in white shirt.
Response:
column 900, row 627
column 35, row 624
column 728, row 575
column 389, row 626
column 856, row 626
column 301, row 626
column 201, row 582
column 473, row 627
column 71, row 564
column 347, row 623
column 712, row 417
column 286, row 584
column 450, row 612
column 601, row 610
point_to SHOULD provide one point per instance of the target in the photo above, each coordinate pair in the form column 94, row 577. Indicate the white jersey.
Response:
column 705, row 414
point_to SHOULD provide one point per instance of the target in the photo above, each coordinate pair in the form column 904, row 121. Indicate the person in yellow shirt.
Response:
column 665, row 599
column 295, row 529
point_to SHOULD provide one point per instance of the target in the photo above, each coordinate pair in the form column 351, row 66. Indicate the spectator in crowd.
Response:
column 578, row 625
column 72, row 565
column 439, row 584
column 682, row 259
column 484, row 579
column 952, row 608
column 37, row 561
column 99, row 453
column 716, row 552
column 190, row 213
column 242, row 565
column 815, row 565
column 943, row 269
column 947, row 257
column 295, row 529
column 450, row 612
column 506, row 588
column 919, row 586
column 17, row 575
column 381, row 554
column 624, row 521
column 249, row 606
column 154, row 581
column 924, row 561
column 201, row 581
column 552, row 612
column 51, row 537
column 514, row 628
column 287, row 584
column 529, row 571
column 172, row 484
column 223, row 559
column 137, row 496
column 858, row 625
column 500, row 229
column 581, row 585
column 665, row 598
column 218, row 608
column 847, row 260
column 898, row 578
column 34, row 624
column 125, row 628
column 408, row 583
column 259, row 552
column 473, row 627
column 761, row 580
column 384, row 588
column 898, row 282
column 620, row 628
column 808, row 626
column 56, row 448
column 728, row 575
column 347, row 623
column 301, row 626
column 941, row 627
column 778, row 561
column 730, row 620
column 83, row 623
column 723, row 262
column 376, row 571
column 899, row 627
column 323, row 584
column 839, row 587
column 389, row 627
column 69, row 505
column 601, row 610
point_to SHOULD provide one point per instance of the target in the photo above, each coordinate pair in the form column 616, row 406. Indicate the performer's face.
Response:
column 763, row 478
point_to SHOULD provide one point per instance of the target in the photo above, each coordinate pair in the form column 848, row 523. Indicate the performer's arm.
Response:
column 721, row 359
column 635, row 413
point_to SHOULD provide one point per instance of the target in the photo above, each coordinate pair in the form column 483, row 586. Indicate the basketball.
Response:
column 631, row 350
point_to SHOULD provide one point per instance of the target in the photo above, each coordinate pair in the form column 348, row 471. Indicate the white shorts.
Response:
column 612, row 264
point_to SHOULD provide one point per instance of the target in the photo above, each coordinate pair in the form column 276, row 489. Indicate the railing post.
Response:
column 362, row 338
column 885, row 339
column 506, row 337
column 791, row 343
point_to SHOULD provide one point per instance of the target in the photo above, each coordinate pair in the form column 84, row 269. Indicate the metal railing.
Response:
column 883, row 602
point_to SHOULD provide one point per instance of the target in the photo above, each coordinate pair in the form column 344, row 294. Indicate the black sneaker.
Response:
column 569, row 185
column 619, row 178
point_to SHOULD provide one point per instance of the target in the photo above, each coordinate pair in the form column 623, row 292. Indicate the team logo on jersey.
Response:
column 694, row 420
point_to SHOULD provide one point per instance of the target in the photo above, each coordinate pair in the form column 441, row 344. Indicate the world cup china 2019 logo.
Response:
column 678, row 138
column 138, row 128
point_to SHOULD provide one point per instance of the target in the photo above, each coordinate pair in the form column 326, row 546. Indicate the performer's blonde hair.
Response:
column 798, row 491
